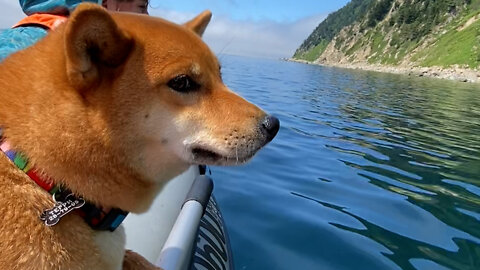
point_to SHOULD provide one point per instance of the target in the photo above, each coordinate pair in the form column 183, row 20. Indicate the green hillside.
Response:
column 398, row 32
column 316, row 43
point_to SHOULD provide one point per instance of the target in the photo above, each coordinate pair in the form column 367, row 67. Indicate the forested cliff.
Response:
column 423, row 33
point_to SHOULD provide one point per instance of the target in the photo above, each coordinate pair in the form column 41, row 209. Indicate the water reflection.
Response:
column 421, row 141
column 397, row 158
column 405, row 250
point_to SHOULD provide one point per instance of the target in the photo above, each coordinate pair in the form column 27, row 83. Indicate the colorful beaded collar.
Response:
column 65, row 201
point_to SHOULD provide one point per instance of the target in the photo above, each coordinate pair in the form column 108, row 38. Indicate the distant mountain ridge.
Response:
column 422, row 33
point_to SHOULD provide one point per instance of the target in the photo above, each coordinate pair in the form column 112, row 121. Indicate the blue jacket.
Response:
column 12, row 40
column 60, row 7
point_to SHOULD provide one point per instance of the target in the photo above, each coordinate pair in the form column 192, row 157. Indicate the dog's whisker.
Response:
column 236, row 153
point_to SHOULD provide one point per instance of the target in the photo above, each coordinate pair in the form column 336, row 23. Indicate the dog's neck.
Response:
column 98, row 217
column 47, row 121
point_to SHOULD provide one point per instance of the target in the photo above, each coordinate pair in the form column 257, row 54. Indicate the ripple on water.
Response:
column 368, row 171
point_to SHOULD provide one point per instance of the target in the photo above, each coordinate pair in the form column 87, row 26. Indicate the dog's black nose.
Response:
column 270, row 126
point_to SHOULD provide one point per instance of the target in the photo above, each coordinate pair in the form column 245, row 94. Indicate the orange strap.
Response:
column 49, row 21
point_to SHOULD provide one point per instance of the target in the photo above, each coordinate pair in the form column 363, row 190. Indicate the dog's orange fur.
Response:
column 90, row 105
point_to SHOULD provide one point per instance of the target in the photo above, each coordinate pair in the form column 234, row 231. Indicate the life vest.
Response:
column 45, row 20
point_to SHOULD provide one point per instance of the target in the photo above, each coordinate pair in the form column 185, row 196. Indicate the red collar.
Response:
column 98, row 218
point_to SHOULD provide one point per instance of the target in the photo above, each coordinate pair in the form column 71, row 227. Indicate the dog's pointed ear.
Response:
column 199, row 23
column 93, row 41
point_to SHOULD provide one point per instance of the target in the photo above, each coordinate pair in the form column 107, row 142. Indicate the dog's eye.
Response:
column 183, row 84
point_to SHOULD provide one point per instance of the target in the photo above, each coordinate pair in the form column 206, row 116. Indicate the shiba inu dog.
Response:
column 108, row 107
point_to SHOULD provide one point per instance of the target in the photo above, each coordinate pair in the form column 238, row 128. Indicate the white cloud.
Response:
column 261, row 39
column 224, row 35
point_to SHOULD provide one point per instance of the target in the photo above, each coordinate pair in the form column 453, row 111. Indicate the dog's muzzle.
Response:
column 239, row 150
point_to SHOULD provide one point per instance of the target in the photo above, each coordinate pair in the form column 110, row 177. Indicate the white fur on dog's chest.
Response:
column 112, row 247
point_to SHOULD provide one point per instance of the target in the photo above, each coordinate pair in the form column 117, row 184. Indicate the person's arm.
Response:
column 12, row 40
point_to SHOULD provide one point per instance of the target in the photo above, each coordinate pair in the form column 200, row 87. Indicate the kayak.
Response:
column 184, row 228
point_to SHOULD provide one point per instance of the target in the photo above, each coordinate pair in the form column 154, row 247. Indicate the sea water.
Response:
column 368, row 171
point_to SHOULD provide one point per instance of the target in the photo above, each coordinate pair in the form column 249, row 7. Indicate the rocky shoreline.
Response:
column 455, row 73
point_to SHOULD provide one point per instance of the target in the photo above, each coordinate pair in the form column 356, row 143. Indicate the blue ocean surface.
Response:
column 368, row 171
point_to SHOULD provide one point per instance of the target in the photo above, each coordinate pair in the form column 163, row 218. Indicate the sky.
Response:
column 258, row 28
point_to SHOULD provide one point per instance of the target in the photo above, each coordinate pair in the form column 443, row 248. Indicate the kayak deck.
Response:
column 181, row 231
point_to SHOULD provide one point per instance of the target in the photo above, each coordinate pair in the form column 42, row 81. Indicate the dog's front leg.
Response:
column 134, row 261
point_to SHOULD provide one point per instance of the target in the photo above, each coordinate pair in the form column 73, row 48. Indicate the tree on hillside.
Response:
column 379, row 12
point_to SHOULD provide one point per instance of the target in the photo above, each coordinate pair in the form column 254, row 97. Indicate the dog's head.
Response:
column 157, row 89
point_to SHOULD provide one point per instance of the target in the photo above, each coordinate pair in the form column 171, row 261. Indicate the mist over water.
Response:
column 368, row 171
